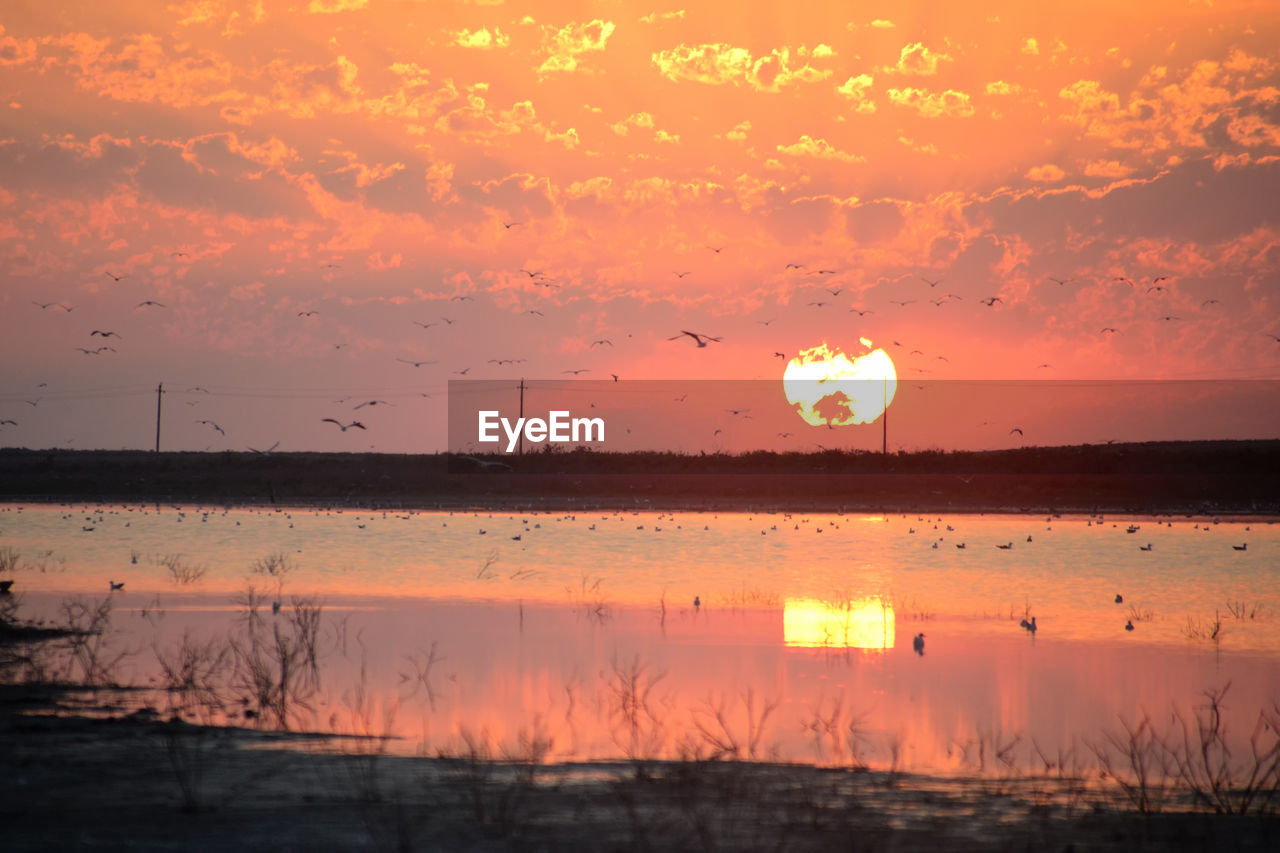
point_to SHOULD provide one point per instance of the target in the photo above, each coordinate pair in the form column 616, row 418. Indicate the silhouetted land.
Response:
column 1211, row 476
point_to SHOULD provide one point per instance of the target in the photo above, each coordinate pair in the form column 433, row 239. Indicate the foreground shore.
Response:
column 138, row 782
column 1232, row 477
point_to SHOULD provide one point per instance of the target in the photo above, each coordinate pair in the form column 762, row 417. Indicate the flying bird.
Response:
column 794, row 267
column 103, row 334
column 115, row 277
column 148, row 302
column 602, row 342
column 423, row 325
column 1018, row 430
column 1061, row 281
column 267, row 451
column 509, row 225
column 1108, row 329
column 902, row 302
column 931, row 283
column 341, row 425
column 836, row 292
column 214, row 425
column 307, row 313
column 463, row 298
column 991, row 300
column 862, row 312
column 577, row 372
column 680, row 274
column 700, row 339
column 716, row 249
column 414, row 363
column 820, row 304
column 781, row 355
column 371, row 403
column 536, row 312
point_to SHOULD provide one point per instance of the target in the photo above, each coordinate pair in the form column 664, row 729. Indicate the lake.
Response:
column 576, row 636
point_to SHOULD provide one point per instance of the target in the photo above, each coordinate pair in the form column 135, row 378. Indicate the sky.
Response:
column 282, row 210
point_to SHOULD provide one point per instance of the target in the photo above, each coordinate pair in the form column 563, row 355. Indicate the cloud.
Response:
column 950, row 103
column 882, row 24
column 330, row 7
column 565, row 45
column 1107, row 169
column 808, row 146
column 1000, row 87
column 918, row 59
column 15, row 51
column 1031, row 47
column 1047, row 173
column 662, row 16
column 739, row 131
column 481, row 39
column 857, row 91
column 720, row 64
column 641, row 119
column 1211, row 106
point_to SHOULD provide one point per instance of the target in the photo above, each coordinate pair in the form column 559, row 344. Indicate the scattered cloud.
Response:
column 857, row 91
column 330, row 7
column 808, row 146
column 481, row 39
column 950, row 103
column 720, row 64
column 917, row 59
column 1047, row 173
column 566, row 45
column 1000, row 87
column 662, row 16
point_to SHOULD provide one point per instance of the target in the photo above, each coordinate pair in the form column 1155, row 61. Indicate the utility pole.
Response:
column 520, row 446
column 884, row 421
column 159, row 396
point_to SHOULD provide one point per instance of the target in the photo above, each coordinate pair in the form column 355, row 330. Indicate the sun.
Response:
column 827, row 387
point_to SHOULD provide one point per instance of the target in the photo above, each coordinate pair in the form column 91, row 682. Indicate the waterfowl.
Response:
column 115, row 586
column 918, row 644
column 1128, row 626
column 1119, row 598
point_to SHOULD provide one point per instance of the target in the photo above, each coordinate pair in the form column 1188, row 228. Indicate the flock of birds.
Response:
column 808, row 276
column 1028, row 622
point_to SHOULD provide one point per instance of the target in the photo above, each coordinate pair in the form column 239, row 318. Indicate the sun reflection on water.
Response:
column 865, row 623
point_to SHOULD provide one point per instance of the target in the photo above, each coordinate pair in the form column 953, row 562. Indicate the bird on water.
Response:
column 918, row 644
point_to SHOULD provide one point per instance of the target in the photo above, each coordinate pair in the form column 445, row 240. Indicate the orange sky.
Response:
column 242, row 162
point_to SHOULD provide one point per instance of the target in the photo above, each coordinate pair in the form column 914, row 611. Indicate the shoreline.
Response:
column 1173, row 478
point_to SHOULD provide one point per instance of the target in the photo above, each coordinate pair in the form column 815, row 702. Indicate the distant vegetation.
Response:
column 1216, row 476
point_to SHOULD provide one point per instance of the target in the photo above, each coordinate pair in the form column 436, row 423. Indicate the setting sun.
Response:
column 828, row 387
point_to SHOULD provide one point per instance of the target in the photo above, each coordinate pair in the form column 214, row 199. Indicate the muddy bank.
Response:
column 141, row 783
